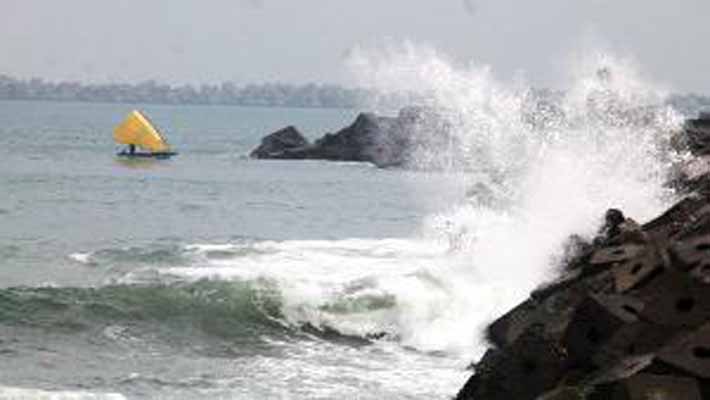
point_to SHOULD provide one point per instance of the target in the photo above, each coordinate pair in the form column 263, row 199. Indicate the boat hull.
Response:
column 161, row 155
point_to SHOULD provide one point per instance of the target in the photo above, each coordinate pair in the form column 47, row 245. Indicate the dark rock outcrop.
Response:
column 639, row 300
column 629, row 320
column 383, row 141
column 425, row 138
column 280, row 143
column 366, row 139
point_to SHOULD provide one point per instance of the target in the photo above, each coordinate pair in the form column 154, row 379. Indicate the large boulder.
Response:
column 359, row 141
column 279, row 143
column 383, row 141
column 630, row 320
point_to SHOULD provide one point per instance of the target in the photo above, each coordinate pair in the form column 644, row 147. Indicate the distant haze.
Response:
column 298, row 41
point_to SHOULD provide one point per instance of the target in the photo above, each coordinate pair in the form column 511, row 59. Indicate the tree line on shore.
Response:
column 227, row 93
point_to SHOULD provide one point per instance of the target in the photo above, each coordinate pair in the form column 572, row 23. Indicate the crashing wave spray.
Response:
column 538, row 165
column 541, row 165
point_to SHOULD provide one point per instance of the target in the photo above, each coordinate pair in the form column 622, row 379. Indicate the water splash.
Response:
column 541, row 165
column 7, row 392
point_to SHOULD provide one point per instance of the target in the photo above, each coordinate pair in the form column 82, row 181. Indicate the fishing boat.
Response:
column 137, row 131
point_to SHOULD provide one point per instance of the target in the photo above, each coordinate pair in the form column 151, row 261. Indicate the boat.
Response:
column 137, row 131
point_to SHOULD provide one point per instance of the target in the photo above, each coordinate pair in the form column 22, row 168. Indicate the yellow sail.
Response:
column 136, row 129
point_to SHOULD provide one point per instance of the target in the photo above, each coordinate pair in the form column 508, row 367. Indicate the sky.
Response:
column 301, row 41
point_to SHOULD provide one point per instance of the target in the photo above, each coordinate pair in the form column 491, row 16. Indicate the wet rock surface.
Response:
column 280, row 143
column 629, row 320
column 383, row 141
column 632, row 319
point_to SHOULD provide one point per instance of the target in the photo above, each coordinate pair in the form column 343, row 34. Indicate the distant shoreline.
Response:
column 151, row 92
column 311, row 95
column 73, row 101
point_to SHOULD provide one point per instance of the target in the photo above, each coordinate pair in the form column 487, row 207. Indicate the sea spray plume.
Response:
column 536, row 179
column 619, row 129
column 533, row 181
column 481, row 113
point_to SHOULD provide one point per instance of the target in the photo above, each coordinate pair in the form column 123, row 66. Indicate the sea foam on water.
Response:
column 527, row 168
column 533, row 167
column 541, row 166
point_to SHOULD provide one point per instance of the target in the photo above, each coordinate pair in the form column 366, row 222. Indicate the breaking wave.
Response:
column 540, row 165
column 358, row 288
column 15, row 393
column 223, row 309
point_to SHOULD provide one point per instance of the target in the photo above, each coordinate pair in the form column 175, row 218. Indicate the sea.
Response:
column 211, row 275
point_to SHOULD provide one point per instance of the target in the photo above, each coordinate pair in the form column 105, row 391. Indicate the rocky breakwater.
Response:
column 629, row 320
column 383, row 141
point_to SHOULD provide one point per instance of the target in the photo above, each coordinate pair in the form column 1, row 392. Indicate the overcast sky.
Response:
column 298, row 41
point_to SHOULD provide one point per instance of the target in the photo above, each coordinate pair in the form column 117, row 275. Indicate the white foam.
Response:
column 15, row 393
column 606, row 146
column 474, row 259
column 326, row 370
column 83, row 258
column 206, row 247
column 357, row 286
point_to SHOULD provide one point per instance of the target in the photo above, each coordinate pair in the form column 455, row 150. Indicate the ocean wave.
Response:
column 15, row 393
column 9, row 251
column 151, row 254
column 541, row 164
column 224, row 309
column 388, row 289
column 126, row 258
column 82, row 258
column 351, row 290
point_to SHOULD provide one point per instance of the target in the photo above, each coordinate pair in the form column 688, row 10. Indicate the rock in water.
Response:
column 383, row 141
column 279, row 143
column 363, row 140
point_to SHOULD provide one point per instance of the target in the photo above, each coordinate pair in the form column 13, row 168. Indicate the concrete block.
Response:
column 564, row 393
column 635, row 271
column 506, row 329
column 674, row 219
column 549, row 311
column 529, row 367
column 674, row 299
column 620, row 369
column 693, row 255
column 690, row 253
column 616, row 254
column 690, row 352
column 637, row 339
column 595, row 322
column 655, row 387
